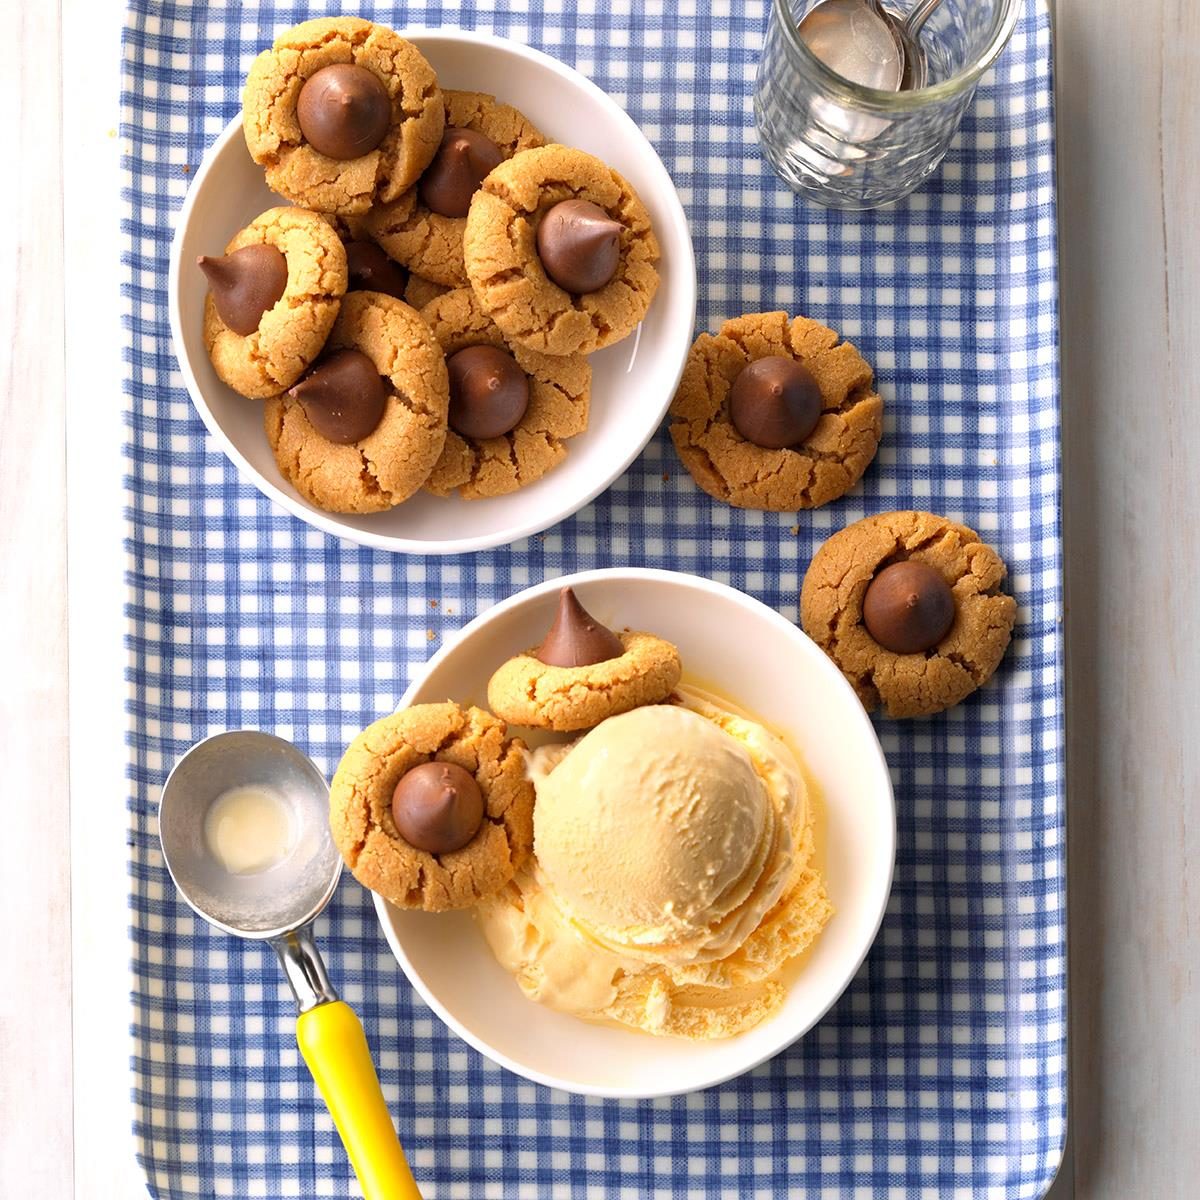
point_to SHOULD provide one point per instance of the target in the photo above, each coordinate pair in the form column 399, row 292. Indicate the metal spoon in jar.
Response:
column 868, row 45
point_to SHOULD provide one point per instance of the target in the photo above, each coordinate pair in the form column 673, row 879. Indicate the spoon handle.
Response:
column 333, row 1044
column 921, row 13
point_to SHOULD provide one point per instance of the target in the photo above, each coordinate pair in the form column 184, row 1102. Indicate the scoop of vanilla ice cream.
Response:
column 658, row 838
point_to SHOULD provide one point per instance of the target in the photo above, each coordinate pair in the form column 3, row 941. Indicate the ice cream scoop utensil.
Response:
column 278, row 905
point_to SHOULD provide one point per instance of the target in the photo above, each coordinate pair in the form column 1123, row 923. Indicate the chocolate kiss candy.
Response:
column 464, row 159
column 344, row 111
column 437, row 807
column 774, row 402
column 343, row 396
column 579, row 245
column 908, row 607
column 372, row 271
column 489, row 393
column 577, row 639
column 245, row 284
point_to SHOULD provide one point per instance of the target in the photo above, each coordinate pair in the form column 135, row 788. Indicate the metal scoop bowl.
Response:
column 278, row 905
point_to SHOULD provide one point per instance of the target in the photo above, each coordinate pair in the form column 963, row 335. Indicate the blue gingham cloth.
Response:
column 941, row 1072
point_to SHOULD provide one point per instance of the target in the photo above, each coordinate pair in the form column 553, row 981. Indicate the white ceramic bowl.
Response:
column 632, row 382
column 733, row 644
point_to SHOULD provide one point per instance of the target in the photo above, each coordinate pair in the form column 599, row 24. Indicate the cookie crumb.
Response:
column 666, row 477
column 795, row 531
column 433, row 604
column 429, row 635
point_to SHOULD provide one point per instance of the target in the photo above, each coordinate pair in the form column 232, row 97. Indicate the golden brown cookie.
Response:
column 427, row 242
column 289, row 335
column 826, row 464
column 419, row 292
column 912, row 684
column 527, row 692
column 559, row 391
column 349, row 229
column 295, row 168
column 390, row 464
column 507, row 274
column 360, row 807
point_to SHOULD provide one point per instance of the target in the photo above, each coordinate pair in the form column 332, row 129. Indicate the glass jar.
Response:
column 854, row 147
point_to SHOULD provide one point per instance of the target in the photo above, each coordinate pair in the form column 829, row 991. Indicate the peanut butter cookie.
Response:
column 290, row 317
column 363, row 430
column 424, row 228
column 775, row 413
column 342, row 114
column 583, row 673
column 560, row 251
column 908, row 604
column 419, row 292
column 349, row 229
column 431, row 808
column 555, row 392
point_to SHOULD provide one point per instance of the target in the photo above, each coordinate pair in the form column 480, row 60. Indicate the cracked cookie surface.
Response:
column 507, row 274
column 428, row 243
column 420, row 292
column 295, row 169
column 825, row 465
column 559, row 396
column 360, row 806
column 291, row 333
column 392, row 462
column 909, row 685
column 526, row 691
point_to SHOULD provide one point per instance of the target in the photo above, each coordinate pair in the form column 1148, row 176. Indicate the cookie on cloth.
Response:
column 909, row 606
column 776, row 413
column 431, row 808
column 363, row 429
column 560, row 251
column 583, row 673
column 511, row 409
column 273, row 298
column 342, row 114
column 424, row 228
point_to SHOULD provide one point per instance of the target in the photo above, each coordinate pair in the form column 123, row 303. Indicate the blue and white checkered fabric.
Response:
column 942, row 1070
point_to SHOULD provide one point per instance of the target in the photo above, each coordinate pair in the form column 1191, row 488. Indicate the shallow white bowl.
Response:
column 737, row 646
column 632, row 382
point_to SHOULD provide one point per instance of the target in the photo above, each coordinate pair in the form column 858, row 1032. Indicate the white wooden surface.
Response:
column 35, row 882
column 1129, row 166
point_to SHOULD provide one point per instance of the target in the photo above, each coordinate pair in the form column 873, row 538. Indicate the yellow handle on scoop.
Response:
column 332, row 1041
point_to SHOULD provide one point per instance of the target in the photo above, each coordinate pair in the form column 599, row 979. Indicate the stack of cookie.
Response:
column 421, row 315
